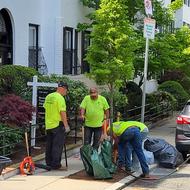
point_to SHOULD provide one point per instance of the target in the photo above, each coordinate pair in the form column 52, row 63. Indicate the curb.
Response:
column 127, row 180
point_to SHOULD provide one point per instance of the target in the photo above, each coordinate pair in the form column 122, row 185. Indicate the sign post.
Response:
column 35, row 84
column 149, row 33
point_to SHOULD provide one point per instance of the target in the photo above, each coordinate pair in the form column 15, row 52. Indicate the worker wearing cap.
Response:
column 56, row 125
column 92, row 110
column 129, row 133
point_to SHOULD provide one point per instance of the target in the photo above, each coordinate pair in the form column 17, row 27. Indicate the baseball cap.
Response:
column 63, row 84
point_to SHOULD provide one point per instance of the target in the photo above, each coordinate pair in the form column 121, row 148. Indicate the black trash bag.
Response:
column 166, row 154
column 106, row 153
column 93, row 163
column 100, row 172
column 86, row 152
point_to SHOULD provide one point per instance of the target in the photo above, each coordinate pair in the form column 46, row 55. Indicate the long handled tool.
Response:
column 27, row 166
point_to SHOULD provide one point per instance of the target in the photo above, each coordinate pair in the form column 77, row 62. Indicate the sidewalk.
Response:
column 57, row 180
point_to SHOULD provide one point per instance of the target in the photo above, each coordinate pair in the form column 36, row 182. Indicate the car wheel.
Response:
column 184, row 154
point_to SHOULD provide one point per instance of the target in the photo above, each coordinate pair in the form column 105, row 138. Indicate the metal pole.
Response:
column 145, row 79
column 34, row 103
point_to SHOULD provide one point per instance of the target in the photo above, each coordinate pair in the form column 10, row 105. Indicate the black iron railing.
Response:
column 36, row 60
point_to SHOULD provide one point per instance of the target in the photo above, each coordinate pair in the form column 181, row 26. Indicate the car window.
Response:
column 186, row 110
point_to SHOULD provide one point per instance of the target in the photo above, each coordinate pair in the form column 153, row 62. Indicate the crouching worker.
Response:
column 130, row 135
column 133, row 162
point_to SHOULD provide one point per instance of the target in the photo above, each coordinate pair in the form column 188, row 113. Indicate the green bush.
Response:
column 185, row 82
column 133, row 93
column 160, row 102
column 14, row 78
column 9, row 137
column 119, row 101
column 174, row 75
column 175, row 89
column 76, row 93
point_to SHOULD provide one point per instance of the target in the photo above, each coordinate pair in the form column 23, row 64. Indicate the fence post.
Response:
column 4, row 143
column 118, row 116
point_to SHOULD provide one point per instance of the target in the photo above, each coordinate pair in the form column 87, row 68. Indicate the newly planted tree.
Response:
column 113, row 42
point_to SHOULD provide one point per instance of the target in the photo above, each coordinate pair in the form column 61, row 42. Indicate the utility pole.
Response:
column 149, row 32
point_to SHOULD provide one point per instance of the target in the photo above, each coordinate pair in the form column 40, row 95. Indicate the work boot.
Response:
column 62, row 168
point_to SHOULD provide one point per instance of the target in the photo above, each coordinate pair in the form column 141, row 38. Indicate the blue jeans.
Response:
column 133, row 161
column 131, row 138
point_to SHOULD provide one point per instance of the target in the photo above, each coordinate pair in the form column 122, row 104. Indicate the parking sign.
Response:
column 149, row 28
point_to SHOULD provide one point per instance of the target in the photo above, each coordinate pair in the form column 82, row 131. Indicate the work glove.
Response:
column 67, row 129
column 82, row 118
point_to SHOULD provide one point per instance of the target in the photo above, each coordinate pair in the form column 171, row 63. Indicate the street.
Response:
column 177, row 181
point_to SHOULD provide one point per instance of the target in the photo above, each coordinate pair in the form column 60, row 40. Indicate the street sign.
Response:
column 149, row 28
column 148, row 7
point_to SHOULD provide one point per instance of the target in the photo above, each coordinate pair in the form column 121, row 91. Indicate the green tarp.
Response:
column 98, row 165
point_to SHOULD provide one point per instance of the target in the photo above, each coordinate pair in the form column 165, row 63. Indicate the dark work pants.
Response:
column 96, row 132
column 54, row 146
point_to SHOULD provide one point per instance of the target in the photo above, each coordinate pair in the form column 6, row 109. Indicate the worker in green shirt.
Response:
column 132, row 162
column 56, row 126
column 129, row 134
column 92, row 111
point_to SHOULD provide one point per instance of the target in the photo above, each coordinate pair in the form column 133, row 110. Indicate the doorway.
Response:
column 6, row 38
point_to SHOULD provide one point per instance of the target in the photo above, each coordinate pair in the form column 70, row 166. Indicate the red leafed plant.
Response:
column 15, row 111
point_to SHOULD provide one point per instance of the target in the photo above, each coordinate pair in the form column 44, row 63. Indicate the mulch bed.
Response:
column 82, row 175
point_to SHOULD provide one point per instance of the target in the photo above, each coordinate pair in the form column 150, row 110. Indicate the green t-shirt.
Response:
column 54, row 104
column 94, row 110
column 120, row 126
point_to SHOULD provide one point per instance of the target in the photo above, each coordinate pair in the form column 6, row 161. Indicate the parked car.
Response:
column 182, row 139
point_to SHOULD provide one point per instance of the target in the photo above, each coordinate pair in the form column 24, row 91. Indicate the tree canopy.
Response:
column 113, row 42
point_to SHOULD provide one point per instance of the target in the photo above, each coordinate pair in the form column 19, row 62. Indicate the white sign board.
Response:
column 149, row 28
column 148, row 7
column 35, row 84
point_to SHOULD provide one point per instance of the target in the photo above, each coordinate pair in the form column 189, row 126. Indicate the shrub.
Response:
column 176, row 90
column 185, row 82
column 131, row 87
column 161, row 102
column 9, row 138
column 15, row 111
column 14, row 78
column 134, row 95
column 175, row 75
column 119, row 101
column 76, row 93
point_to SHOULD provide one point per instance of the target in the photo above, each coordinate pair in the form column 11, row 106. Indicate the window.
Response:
column 85, row 45
column 68, row 40
column 33, row 46
column 186, row 24
column 187, row 2
column 2, row 24
column 67, row 50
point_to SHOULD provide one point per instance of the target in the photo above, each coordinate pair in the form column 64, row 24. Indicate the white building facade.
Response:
column 182, row 16
column 43, row 34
